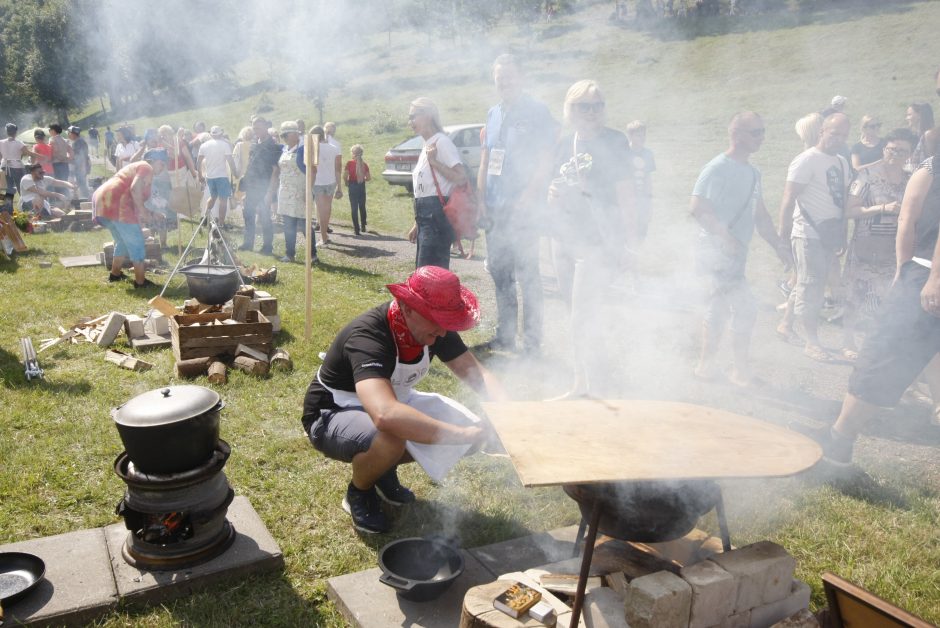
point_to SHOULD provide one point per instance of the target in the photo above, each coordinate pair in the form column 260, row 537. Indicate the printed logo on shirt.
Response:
column 836, row 186
column 371, row 365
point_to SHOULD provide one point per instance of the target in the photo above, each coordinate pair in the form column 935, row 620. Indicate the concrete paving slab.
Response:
column 254, row 551
column 78, row 585
column 527, row 551
column 367, row 603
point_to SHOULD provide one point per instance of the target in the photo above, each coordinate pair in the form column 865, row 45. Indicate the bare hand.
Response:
column 413, row 234
column 892, row 208
column 339, row 193
column 431, row 150
column 930, row 297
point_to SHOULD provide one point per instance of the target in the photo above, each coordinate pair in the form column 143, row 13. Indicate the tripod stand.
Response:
column 215, row 245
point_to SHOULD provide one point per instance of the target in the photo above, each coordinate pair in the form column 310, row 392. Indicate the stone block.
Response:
column 159, row 324
column 603, row 608
column 769, row 614
column 801, row 619
column 713, row 593
column 133, row 326
column 738, row 620
column 524, row 553
column 762, row 571
column 659, row 599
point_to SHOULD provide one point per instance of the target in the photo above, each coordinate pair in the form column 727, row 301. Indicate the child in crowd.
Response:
column 355, row 176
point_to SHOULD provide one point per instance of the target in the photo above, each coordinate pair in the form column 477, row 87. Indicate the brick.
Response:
column 159, row 324
column 713, row 593
column 801, row 619
column 603, row 608
column 133, row 326
column 762, row 571
column 769, row 614
column 659, row 599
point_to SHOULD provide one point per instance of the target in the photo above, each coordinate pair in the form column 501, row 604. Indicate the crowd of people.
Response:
column 588, row 188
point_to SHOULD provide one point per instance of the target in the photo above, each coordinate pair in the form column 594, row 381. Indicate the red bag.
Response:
column 461, row 210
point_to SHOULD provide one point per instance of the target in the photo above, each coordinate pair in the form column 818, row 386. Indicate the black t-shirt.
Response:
column 365, row 349
column 262, row 158
column 868, row 154
column 603, row 162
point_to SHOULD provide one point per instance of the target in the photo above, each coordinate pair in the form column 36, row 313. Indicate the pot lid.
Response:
column 166, row 405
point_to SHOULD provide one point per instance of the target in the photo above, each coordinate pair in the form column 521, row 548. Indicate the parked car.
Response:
column 401, row 160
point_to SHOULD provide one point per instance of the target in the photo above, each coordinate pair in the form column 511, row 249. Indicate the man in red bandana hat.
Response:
column 362, row 407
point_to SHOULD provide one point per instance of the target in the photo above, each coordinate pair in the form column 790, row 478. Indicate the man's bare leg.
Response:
column 385, row 452
column 711, row 338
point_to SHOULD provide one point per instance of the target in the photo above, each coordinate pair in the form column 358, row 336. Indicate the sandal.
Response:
column 817, row 353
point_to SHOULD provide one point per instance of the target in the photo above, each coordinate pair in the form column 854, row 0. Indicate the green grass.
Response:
column 57, row 441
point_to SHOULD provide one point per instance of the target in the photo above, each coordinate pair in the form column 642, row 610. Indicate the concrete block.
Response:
column 367, row 603
column 762, row 571
column 133, row 326
column 524, row 553
column 112, row 327
column 738, row 620
column 801, row 619
column 253, row 551
column 275, row 320
column 659, row 599
column 603, row 608
column 713, row 593
column 159, row 324
column 769, row 614
column 78, row 585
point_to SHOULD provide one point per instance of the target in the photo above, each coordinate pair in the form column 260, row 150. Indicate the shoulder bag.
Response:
column 460, row 208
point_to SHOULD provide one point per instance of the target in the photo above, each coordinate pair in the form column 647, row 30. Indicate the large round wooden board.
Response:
column 572, row 442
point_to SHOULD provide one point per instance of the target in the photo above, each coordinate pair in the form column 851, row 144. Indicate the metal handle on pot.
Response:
column 397, row 583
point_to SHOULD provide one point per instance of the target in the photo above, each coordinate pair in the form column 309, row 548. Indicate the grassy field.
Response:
column 57, row 441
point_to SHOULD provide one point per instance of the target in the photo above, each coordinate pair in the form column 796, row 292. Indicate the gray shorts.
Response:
column 341, row 434
column 812, row 270
column 325, row 190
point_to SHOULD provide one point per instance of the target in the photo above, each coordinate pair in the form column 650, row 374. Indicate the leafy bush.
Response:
column 264, row 104
column 382, row 121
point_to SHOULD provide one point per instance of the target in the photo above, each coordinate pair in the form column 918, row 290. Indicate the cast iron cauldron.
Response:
column 212, row 285
column 646, row 512
column 420, row 569
column 170, row 429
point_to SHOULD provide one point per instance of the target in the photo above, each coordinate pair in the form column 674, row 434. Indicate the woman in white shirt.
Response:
column 126, row 148
column 325, row 186
column 438, row 170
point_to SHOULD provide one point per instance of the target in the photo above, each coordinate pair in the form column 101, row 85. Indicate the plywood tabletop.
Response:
column 573, row 442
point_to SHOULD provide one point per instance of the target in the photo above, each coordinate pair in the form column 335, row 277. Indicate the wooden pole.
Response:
column 311, row 160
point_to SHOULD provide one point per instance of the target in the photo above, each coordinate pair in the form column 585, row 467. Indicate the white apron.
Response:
column 436, row 460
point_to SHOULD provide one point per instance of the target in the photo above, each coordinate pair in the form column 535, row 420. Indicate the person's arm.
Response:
column 765, row 228
column 338, row 166
column 54, row 182
column 469, row 370
column 481, row 179
column 857, row 162
column 199, row 159
column 392, row 417
column 791, row 192
column 911, row 208
column 232, row 166
column 346, row 176
column 188, row 159
column 271, row 194
column 32, row 155
column 456, row 174
column 139, row 153
column 704, row 212
column 931, row 140
column 368, row 175
column 930, row 295
column 855, row 208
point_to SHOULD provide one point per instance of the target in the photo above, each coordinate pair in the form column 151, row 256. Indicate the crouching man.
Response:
column 362, row 407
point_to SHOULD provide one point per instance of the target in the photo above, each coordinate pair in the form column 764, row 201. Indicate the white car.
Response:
column 401, row 160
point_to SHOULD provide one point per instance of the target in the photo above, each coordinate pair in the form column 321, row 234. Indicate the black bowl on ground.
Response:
column 20, row 573
column 420, row 569
column 212, row 285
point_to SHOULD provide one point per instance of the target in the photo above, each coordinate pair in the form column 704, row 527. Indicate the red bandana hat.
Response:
column 436, row 294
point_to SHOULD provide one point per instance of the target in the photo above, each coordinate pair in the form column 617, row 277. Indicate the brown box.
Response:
column 211, row 339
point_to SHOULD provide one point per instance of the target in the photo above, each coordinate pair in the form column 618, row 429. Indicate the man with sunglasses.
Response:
column 512, row 181
column 728, row 203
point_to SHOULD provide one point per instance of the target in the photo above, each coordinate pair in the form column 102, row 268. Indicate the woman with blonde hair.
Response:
column 869, row 147
column 592, row 210
column 438, row 170
column 809, row 128
column 355, row 176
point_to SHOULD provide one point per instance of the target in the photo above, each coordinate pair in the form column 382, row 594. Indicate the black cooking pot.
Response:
column 212, row 285
column 420, row 569
column 646, row 512
column 171, row 429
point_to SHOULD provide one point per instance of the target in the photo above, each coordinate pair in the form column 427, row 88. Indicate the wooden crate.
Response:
column 212, row 340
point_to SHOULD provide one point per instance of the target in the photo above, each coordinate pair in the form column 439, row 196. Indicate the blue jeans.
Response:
column 512, row 257
column 357, row 203
column 291, row 227
column 256, row 209
column 435, row 234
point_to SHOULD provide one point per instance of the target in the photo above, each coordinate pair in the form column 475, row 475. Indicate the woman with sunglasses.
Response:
column 874, row 201
column 869, row 147
column 438, row 170
column 594, row 224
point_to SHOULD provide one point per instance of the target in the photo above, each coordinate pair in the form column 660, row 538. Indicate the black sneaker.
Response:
column 113, row 278
column 365, row 510
column 145, row 284
column 391, row 491
column 836, row 449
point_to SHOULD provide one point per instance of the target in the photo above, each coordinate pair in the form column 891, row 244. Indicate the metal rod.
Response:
column 586, row 563
column 179, row 262
column 722, row 523
column 579, row 538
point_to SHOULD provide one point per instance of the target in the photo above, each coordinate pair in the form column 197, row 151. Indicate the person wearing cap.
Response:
column 12, row 153
column 292, row 194
column 119, row 205
column 81, row 160
column 35, row 197
column 836, row 105
column 216, row 155
column 362, row 408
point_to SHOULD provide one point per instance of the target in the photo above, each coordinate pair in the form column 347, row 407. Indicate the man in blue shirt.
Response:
column 515, row 167
column 728, row 204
